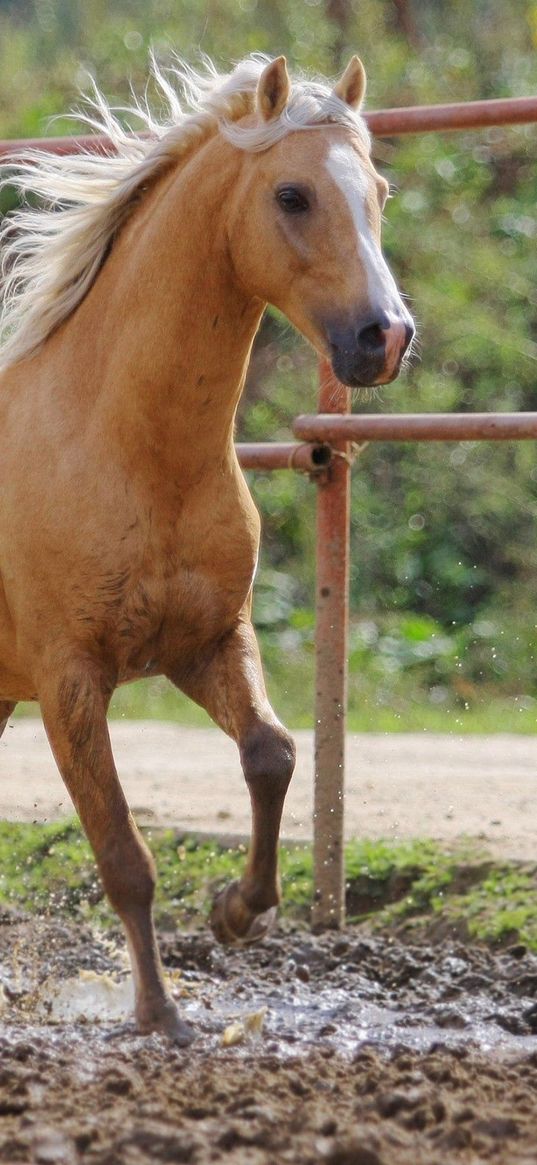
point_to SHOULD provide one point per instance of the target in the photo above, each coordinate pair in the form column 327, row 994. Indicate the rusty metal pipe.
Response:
column 462, row 115
column 417, row 427
column 306, row 457
column 332, row 612
column 91, row 143
column 381, row 122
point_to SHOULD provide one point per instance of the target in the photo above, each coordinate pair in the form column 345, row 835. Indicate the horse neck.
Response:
column 174, row 329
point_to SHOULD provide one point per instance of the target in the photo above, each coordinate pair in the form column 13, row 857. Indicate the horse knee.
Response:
column 268, row 756
column 128, row 872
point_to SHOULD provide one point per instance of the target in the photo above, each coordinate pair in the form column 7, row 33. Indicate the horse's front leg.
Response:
column 231, row 688
column 6, row 709
column 74, row 705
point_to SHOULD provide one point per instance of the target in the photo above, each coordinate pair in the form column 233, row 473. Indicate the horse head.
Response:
column 305, row 227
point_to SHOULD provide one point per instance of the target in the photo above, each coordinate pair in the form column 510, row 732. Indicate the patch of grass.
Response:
column 292, row 698
column 502, row 908
column 47, row 868
column 388, row 690
column 416, row 886
column 50, row 869
column 380, row 874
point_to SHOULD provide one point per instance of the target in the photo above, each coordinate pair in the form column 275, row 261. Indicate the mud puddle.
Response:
column 364, row 1050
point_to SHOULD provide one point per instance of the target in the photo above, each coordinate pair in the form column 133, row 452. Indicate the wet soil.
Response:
column 373, row 1051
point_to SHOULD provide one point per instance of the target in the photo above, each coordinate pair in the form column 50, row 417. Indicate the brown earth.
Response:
column 373, row 1052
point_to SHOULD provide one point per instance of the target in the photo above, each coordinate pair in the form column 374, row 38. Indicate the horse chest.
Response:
column 179, row 581
column 163, row 620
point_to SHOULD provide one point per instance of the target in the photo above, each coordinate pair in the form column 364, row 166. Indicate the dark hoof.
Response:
column 234, row 924
column 167, row 1022
column 182, row 1035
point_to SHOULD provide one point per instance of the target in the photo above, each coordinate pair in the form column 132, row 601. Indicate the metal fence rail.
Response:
column 416, row 427
column 381, row 122
column 462, row 115
column 309, row 457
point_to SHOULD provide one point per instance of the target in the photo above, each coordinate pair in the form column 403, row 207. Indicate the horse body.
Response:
column 128, row 538
column 134, row 468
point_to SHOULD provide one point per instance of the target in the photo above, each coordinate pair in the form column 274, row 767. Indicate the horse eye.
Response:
column 292, row 200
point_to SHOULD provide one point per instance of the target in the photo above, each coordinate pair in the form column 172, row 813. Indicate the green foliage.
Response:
column 416, row 884
column 500, row 909
column 47, row 867
column 51, row 869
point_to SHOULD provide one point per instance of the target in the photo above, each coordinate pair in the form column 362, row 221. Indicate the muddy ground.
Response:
column 373, row 1051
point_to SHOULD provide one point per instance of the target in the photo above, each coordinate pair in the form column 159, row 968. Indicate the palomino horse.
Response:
column 128, row 538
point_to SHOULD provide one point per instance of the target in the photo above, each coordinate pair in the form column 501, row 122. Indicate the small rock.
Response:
column 438, row 1109
column 328, row 1127
column 497, row 1127
column 517, row 951
column 418, row 1119
column 530, row 1016
column 120, row 1083
column 156, row 1141
column 352, row 1152
column 229, row 1138
column 52, row 1147
column 449, row 1017
column 511, row 1023
column 457, row 1138
column 390, row 1103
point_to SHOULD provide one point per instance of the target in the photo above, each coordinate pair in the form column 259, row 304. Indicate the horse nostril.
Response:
column 372, row 338
column 410, row 332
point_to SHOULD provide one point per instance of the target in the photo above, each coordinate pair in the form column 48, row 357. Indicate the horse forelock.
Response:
column 52, row 255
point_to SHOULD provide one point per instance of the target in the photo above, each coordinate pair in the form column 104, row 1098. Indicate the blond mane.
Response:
column 50, row 256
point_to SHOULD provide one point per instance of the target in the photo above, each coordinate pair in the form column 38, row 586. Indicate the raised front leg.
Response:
column 232, row 689
column 74, row 712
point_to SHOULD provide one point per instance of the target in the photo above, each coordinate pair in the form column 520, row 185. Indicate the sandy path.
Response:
column 398, row 786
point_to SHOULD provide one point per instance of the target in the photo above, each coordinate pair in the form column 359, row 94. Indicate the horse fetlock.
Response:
column 234, row 922
column 162, row 1015
column 260, row 894
column 268, row 753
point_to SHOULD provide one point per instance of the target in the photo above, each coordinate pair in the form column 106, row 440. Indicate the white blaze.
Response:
column 344, row 167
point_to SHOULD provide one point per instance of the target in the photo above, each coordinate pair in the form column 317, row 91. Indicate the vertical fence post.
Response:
column 332, row 609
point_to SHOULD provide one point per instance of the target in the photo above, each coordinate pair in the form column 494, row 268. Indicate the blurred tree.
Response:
column 407, row 23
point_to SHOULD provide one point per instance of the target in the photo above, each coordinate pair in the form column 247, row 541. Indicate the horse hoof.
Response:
column 167, row 1022
column 179, row 1033
column 234, row 924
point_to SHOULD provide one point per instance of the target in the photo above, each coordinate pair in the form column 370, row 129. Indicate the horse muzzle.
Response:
column 371, row 351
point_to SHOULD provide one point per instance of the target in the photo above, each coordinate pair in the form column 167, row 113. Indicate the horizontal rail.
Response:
column 417, row 427
column 463, row 115
column 92, row 143
column 308, row 457
column 381, row 122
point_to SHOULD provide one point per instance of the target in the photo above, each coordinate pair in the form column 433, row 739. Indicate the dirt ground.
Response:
column 398, row 785
column 353, row 1049
column 372, row 1052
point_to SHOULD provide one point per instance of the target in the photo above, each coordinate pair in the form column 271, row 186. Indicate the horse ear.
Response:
column 351, row 86
column 273, row 89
